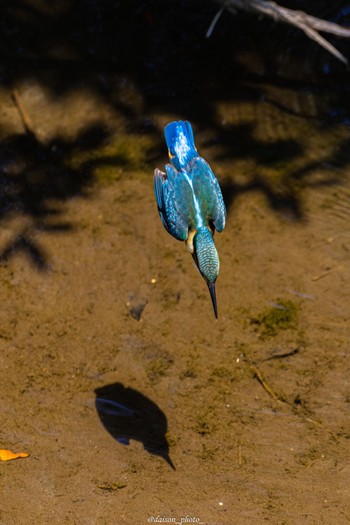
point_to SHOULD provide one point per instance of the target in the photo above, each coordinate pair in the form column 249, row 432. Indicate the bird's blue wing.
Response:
column 175, row 202
column 208, row 192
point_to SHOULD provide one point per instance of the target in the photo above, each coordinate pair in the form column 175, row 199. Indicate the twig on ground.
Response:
column 282, row 355
column 258, row 375
column 27, row 123
column 281, row 399
column 324, row 274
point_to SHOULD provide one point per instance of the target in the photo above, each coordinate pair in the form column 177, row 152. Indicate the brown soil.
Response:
column 108, row 336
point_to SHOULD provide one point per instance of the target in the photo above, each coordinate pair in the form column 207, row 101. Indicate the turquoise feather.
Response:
column 190, row 202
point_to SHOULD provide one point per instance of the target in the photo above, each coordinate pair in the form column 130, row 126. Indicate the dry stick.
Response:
column 27, row 123
column 320, row 276
column 239, row 454
column 258, row 375
column 282, row 355
column 311, row 25
column 264, row 384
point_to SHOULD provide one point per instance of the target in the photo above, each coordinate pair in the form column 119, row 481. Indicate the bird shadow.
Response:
column 129, row 415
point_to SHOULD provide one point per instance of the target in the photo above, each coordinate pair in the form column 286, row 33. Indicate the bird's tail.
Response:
column 180, row 141
column 207, row 259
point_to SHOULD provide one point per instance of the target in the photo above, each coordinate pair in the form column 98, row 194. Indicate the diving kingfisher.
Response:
column 190, row 202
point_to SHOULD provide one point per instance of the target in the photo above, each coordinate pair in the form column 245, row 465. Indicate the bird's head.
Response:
column 207, row 260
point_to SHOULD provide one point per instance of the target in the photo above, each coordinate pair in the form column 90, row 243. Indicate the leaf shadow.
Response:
column 38, row 177
column 146, row 58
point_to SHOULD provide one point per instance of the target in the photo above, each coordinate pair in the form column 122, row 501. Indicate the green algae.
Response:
column 109, row 161
column 281, row 316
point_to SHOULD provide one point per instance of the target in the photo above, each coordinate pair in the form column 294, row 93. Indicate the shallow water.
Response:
column 98, row 300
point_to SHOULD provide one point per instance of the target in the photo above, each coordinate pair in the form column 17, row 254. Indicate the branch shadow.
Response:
column 159, row 50
column 127, row 414
column 36, row 178
column 22, row 243
column 283, row 191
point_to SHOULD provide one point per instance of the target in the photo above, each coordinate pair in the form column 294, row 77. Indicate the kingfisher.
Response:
column 190, row 202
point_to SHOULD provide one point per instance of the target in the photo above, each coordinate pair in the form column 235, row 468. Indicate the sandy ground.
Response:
column 135, row 405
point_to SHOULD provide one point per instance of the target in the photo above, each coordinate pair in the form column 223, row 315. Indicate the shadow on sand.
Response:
column 127, row 414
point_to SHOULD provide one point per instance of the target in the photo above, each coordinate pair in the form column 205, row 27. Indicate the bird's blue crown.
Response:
column 180, row 142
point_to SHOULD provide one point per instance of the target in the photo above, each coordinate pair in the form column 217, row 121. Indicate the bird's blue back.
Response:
column 188, row 195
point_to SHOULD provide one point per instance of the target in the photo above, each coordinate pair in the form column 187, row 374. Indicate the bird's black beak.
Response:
column 212, row 291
